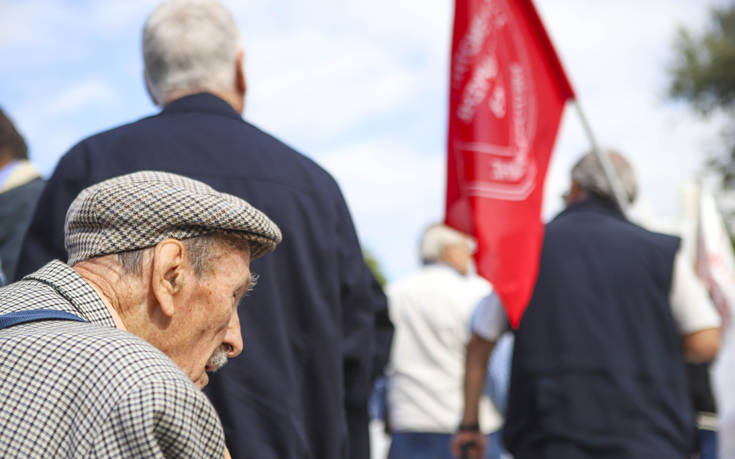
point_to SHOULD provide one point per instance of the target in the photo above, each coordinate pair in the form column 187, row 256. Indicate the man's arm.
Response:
column 366, row 332
column 476, row 360
column 487, row 324
column 694, row 313
column 166, row 417
column 702, row 346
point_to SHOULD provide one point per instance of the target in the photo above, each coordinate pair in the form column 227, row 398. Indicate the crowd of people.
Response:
column 131, row 278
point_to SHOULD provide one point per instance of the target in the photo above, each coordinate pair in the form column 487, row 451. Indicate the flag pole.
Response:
column 612, row 177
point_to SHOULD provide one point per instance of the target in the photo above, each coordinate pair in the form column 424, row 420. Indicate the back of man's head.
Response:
column 190, row 46
column 12, row 144
column 589, row 175
column 435, row 241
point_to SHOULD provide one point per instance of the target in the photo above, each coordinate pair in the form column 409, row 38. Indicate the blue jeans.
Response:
column 419, row 445
column 707, row 444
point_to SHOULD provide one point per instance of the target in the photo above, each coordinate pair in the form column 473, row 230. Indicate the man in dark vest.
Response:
column 317, row 325
column 598, row 364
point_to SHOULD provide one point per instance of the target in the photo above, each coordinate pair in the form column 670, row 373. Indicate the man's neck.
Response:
column 92, row 273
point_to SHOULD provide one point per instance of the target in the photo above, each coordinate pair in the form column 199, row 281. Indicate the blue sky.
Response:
column 360, row 86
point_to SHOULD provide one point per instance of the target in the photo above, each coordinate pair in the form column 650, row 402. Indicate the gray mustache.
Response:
column 218, row 359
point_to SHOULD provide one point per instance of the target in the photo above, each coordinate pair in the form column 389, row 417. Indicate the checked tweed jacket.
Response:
column 74, row 389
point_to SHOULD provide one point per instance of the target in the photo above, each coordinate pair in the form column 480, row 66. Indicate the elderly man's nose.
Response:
column 233, row 344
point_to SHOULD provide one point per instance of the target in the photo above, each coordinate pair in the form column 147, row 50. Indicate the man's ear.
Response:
column 167, row 274
column 240, row 81
column 576, row 193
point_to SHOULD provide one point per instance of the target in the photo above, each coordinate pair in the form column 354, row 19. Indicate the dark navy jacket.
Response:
column 16, row 208
column 315, row 328
column 598, row 368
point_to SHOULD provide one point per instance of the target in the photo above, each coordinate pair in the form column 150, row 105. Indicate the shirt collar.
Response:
column 7, row 170
column 441, row 266
column 82, row 297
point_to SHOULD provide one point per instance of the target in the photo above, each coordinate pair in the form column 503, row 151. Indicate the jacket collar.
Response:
column 594, row 204
column 202, row 102
column 82, row 297
column 17, row 174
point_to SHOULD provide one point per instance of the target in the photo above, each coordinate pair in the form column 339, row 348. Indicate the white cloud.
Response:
column 418, row 24
column 15, row 21
column 81, row 95
column 121, row 16
column 325, row 85
column 42, row 22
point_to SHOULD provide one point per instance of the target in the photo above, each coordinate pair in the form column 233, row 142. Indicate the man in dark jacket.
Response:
column 20, row 186
column 317, row 326
column 598, row 362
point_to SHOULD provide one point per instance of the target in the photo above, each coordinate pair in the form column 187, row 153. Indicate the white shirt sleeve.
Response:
column 489, row 320
column 690, row 303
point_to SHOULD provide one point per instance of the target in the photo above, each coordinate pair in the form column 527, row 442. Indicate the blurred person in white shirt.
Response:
column 431, row 311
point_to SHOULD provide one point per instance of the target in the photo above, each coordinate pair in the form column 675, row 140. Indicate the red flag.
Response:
column 507, row 93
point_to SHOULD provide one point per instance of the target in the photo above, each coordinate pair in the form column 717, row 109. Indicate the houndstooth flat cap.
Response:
column 139, row 210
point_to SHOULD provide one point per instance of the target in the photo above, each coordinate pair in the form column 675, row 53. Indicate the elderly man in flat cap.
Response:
column 105, row 356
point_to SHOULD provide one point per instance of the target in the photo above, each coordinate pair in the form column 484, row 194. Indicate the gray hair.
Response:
column 590, row 176
column 438, row 236
column 190, row 45
column 198, row 250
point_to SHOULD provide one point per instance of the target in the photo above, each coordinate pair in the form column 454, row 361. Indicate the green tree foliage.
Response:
column 703, row 75
column 374, row 266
